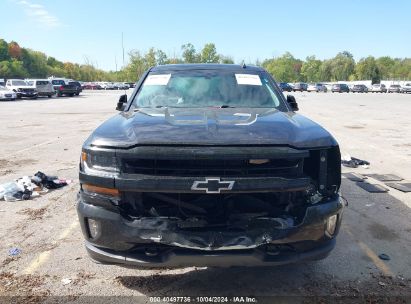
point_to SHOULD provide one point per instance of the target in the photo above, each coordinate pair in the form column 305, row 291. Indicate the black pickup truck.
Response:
column 78, row 87
column 209, row 165
column 62, row 88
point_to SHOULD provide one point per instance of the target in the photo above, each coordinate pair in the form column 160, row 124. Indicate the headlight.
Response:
column 1, row 95
column 99, row 162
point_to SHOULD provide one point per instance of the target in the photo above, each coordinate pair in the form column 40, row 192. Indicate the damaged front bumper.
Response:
column 169, row 242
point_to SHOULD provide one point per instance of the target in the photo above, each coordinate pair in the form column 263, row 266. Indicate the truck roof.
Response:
column 205, row 66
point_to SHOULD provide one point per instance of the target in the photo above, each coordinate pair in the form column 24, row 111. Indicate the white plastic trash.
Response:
column 8, row 189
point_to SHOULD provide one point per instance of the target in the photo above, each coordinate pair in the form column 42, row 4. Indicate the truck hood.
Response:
column 209, row 126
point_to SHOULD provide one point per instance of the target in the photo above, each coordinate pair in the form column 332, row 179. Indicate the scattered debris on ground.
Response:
column 14, row 251
column 66, row 281
column 386, row 177
column 26, row 187
column 404, row 187
column 372, row 188
column 384, row 257
column 355, row 177
column 352, row 162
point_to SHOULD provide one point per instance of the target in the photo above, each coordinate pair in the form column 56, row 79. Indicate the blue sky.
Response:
column 91, row 30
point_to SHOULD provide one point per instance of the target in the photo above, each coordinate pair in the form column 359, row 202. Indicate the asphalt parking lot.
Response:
column 46, row 135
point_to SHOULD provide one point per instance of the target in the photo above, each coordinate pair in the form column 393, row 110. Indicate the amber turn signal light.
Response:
column 100, row 190
column 83, row 156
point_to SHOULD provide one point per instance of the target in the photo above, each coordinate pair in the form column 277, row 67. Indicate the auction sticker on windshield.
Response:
column 248, row 79
column 157, row 79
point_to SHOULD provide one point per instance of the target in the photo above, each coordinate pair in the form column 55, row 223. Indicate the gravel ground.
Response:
column 47, row 134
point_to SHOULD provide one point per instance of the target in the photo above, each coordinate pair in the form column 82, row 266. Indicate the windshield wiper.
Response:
column 226, row 106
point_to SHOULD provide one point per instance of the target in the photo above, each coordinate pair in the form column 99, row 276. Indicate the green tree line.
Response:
column 287, row 68
column 19, row 62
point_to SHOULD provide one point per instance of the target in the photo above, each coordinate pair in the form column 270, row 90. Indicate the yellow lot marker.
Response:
column 44, row 256
column 372, row 255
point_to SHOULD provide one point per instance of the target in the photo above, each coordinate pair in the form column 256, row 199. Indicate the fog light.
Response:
column 331, row 224
column 93, row 228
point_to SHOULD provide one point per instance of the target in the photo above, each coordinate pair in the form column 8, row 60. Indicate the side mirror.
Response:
column 292, row 102
column 121, row 102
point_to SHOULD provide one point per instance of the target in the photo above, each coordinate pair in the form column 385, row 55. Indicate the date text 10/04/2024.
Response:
column 201, row 299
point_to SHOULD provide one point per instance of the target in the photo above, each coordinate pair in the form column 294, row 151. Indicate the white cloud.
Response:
column 40, row 14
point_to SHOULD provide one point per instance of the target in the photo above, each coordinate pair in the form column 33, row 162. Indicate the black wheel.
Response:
column 71, row 94
column 49, row 96
column 77, row 94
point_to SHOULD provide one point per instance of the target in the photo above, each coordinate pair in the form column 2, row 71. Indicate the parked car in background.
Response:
column 7, row 94
column 316, row 87
column 121, row 86
column 359, row 88
column 406, row 88
column 104, row 85
column 131, row 84
column 379, row 88
column 78, row 87
column 92, row 86
column 22, row 88
column 43, row 87
column 340, row 88
column 63, row 88
column 394, row 88
column 285, row 87
column 300, row 86
column 110, row 86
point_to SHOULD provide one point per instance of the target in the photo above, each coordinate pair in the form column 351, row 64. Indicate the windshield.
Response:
column 19, row 83
column 208, row 88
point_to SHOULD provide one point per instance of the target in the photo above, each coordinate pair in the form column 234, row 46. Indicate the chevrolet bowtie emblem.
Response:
column 212, row 185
